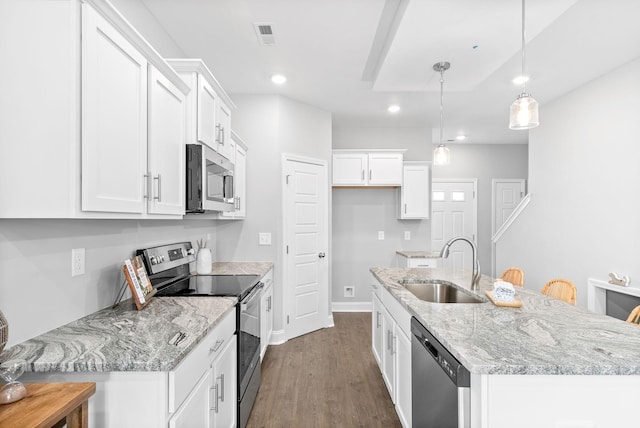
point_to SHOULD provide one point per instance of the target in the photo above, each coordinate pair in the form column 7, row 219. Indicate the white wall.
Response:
column 585, row 187
column 37, row 292
column 485, row 162
column 270, row 125
column 358, row 214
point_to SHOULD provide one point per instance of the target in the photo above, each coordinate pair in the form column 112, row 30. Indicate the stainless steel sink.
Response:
column 438, row 291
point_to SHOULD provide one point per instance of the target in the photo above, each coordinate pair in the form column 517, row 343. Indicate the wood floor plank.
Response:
column 328, row 378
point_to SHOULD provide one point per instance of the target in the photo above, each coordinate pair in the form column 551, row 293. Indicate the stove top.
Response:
column 211, row 285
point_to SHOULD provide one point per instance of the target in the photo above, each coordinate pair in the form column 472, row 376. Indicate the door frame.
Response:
column 494, row 184
column 286, row 282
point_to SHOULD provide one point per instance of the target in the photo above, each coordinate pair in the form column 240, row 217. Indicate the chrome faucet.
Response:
column 475, row 278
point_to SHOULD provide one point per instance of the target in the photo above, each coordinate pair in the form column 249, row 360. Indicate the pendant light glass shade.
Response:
column 524, row 112
column 441, row 155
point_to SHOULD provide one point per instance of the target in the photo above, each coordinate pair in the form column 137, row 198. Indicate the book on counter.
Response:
column 138, row 280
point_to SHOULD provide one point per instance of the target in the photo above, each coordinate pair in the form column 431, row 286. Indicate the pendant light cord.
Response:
column 441, row 100
column 524, row 79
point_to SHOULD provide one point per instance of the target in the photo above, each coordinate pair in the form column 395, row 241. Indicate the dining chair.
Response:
column 634, row 316
column 561, row 289
column 513, row 275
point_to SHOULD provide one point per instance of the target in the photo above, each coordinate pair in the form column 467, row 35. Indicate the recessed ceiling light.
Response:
column 393, row 108
column 461, row 137
column 520, row 80
column 278, row 79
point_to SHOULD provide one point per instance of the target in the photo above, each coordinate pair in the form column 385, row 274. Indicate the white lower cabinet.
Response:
column 391, row 345
column 223, row 390
column 195, row 410
column 266, row 313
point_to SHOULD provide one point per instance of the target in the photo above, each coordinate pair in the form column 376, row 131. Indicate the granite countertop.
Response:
column 241, row 268
column 125, row 339
column 543, row 337
column 419, row 254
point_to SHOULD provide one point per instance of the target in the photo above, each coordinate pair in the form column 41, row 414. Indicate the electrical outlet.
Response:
column 349, row 291
column 77, row 261
column 407, row 235
column 264, row 238
column 381, row 235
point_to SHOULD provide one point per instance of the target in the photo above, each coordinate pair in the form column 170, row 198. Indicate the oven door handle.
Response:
column 251, row 295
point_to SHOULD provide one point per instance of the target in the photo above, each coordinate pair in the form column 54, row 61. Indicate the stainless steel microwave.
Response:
column 209, row 180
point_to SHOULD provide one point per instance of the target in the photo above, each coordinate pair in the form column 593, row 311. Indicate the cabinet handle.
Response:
column 221, row 387
column 215, row 399
column 405, row 208
column 145, row 186
column 393, row 344
column 218, row 128
column 159, row 197
column 223, row 139
column 217, row 345
column 269, row 305
column 369, row 175
column 363, row 175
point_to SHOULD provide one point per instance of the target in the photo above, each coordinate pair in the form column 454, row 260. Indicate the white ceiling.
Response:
column 355, row 57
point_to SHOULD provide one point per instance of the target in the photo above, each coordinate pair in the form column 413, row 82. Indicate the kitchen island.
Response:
column 547, row 363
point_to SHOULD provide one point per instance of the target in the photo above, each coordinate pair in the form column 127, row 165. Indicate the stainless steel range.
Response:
column 168, row 269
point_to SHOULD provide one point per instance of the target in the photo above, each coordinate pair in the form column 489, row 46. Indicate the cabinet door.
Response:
column 114, row 119
column 385, row 169
column 166, row 147
column 388, row 353
column 376, row 329
column 223, row 388
column 403, row 377
column 422, row 263
column 241, row 182
column 415, row 192
column 223, row 130
column 195, row 411
column 206, row 114
column 350, row 169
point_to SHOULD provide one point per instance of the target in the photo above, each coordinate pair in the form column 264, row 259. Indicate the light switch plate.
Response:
column 264, row 238
column 381, row 235
column 407, row 235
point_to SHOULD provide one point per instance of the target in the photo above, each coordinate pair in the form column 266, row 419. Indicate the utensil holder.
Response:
column 204, row 261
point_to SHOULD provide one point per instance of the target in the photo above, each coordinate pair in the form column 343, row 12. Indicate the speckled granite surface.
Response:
column 419, row 254
column 543, row 337
column 241, row 268
column 125, row 339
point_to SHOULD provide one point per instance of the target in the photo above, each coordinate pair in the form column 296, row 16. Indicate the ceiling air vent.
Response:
column 264, row 32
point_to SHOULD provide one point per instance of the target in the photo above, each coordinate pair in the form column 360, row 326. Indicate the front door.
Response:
column 454, row 214
column 306, row 242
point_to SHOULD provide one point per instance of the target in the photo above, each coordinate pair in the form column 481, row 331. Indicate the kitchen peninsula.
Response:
column 545, row 364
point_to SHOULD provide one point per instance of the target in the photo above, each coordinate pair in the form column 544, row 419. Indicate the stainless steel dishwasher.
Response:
column 439, row 383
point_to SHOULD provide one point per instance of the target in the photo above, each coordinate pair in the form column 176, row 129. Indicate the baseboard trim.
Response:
column 351, row 306
column 277, row 337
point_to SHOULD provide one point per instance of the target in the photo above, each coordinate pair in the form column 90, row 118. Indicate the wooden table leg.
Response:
column 79, row 417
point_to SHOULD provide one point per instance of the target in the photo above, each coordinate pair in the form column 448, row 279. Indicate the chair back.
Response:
column 634, row 316
column 514, row 276
column 561, row 289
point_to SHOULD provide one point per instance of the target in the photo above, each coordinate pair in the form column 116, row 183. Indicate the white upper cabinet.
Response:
column 415, row 191
column 208, row 107
column 239, row 180
column 103, row 125
column 206, row 113
column 356, row 168
column 114, row 118
column 166, row 148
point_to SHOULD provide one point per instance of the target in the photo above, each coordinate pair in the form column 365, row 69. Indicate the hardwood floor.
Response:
column 328, row 378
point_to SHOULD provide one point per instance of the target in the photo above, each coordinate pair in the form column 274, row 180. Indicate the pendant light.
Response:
column 441, row 155
column 524, row 110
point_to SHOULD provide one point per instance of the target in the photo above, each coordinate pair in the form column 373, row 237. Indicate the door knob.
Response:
column 321, row 255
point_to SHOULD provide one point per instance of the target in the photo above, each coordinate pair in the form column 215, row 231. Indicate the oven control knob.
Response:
column 191, row 251
column 153, row 260
column 161, row 259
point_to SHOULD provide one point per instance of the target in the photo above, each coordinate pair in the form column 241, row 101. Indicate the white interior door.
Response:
column 454, row 214
column 306, row 243
column 507, row 194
